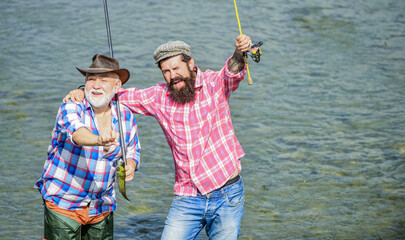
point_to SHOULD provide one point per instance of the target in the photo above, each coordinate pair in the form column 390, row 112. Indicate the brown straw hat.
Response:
column 104, row 64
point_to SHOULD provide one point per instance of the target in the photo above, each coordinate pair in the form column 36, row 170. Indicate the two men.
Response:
column 77, row 183
column 192, row 108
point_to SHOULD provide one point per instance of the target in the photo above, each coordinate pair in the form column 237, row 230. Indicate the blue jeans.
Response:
column 220, row 212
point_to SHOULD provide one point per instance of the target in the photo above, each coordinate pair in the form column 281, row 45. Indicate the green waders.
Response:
column 58, row 226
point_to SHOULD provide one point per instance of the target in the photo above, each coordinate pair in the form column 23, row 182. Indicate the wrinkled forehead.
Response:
column 102, row 75
column 172, row 62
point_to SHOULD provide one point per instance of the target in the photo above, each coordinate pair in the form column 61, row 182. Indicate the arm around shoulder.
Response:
column 76, row 95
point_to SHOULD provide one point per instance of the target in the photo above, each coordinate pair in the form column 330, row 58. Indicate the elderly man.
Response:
column 77, row 183
column 192, row 107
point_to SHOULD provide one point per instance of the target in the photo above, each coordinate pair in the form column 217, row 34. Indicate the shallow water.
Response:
column 322, row 126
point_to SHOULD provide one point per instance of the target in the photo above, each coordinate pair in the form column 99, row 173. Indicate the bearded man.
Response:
column 192, row 108
column 77, row 182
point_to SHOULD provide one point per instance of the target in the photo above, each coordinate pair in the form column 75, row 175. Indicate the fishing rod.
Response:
column 121, row 163
column 255, row 52
column 107, row 26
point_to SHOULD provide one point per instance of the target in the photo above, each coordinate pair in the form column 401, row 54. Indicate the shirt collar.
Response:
column 198, row 80
column 86, row 104
column 113, row 105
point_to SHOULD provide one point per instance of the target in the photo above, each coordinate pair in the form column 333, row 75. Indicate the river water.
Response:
column 322, row 126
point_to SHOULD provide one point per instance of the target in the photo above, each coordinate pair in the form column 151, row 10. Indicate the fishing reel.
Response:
column 256, row 52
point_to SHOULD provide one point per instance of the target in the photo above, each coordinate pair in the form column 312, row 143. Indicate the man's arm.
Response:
column 85, row 137
column 133, row 147
column 76, row 96
column 237, row 62
column 139, row 101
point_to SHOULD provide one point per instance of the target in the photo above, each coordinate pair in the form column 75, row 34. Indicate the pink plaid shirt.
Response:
column 200, row 134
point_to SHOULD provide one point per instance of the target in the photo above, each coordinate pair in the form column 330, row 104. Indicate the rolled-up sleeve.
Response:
column 69, row 118
column 231, row 80
column 134, row 145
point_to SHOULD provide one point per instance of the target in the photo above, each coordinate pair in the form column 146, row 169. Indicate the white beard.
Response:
column 100, row 101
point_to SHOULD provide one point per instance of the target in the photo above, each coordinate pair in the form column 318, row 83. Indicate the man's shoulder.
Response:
column 125, row 109
column 79, row 106
column 160, row 87
column 207, row 77
column 126, row 113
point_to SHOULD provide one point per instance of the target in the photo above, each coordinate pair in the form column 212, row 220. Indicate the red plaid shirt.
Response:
column 200, row 134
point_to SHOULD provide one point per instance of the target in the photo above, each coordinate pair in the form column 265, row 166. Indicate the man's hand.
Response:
column 242, row 44
column 76, row 95
column 108, row 139
column 237, row 62
column 130, row 170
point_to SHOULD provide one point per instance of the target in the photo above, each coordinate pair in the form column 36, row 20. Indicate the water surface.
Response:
column 322, row 126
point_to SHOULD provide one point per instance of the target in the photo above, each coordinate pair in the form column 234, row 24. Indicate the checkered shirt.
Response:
column 76, row 176
column 200, row 134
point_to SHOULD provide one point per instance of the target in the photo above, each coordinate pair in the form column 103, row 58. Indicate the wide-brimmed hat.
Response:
column 104, row 64
column 170, row 49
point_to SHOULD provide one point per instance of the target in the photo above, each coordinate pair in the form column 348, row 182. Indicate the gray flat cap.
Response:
column 170, row 49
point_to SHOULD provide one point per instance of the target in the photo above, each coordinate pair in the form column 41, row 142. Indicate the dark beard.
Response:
column 187, row 93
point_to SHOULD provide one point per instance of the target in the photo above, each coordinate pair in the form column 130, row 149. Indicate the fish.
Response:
column 121, row 178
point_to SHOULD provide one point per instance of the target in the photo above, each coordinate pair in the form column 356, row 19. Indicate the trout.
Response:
column 121, row 178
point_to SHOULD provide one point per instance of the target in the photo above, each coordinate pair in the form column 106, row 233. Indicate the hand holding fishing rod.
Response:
column 252, row 50
column 108, row 139
column 242, row 44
